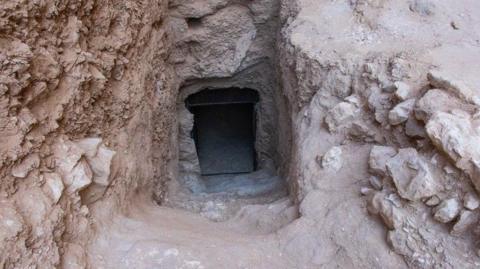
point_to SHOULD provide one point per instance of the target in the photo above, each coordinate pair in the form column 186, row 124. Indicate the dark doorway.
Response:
column 224, row 130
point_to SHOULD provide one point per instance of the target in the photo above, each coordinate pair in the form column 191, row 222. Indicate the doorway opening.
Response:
column 224, row 130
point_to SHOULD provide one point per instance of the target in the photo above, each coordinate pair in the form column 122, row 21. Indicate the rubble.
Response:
column 340, row 115
column 380, row 203
column 435, row 101
column 53, row 186
column 447, row 210
column 28, row 164
column 465, row 221
column 379, row 155
column 413, row 176
column 442, row 80
column 401, row 112
column 415, row 128
column 455, row 134
column 403, row 90
column 471, row 201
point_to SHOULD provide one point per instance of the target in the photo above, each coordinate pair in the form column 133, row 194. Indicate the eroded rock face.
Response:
column 69, row 71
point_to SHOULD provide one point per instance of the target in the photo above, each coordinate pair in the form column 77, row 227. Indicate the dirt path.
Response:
column 159, row 237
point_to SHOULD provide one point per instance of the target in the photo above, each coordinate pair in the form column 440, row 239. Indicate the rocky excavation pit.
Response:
column 239, row 134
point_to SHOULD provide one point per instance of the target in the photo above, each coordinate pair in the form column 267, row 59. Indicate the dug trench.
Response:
column 239, row 134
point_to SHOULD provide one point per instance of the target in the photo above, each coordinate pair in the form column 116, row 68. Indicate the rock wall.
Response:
column 384, row 124
column 222, row 44
column 84, row 122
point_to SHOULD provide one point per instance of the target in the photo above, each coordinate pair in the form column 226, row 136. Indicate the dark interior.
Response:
column 224, row 130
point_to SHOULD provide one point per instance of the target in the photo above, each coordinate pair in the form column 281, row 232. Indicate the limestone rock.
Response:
column 339, row 115
column 443, row 80
column 100, row 164
column 361, row 131
column 222, row 41
column 435, row 101
column 353, row 99
column 415, row 128
column 381, row 104
column 80, row 177
column 466, row 220
column 98, row 157
column 447, row 210
column 397, row 239
column 381, row 204
column 400, row 113
column 11, row 222
column 471, row 201
column 379, row 155
column 402, row 91
column 22, row 169
column 412, row 175
column 53, row 186
column 433, row 201
column 376, row 182
column 456, row 134
column 67, row 155
column 89, row 146
column 333, row 159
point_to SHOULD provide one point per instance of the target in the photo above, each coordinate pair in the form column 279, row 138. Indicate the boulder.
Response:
column 433, row 201
column 443, row 80
column 471, row 201
column 415, row 128
column 447, row 210
column 22, row 169
column 379, row 155
column 412, row 175
column 466, row 220
column 332, row 159
column 402, row 91
column 53, row 186
column 435, row 101
column 67, row 154
column 100, row 164
column 381, row 103
column 456, row 134
column 340, row 115
column 401, row 112
column 381, row 204
column 89, row 146
column 79, row 178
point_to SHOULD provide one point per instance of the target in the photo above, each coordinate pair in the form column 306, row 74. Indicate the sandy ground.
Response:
column 149, row 236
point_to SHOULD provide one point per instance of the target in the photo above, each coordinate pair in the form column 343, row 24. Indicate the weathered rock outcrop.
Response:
column 75, row 89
